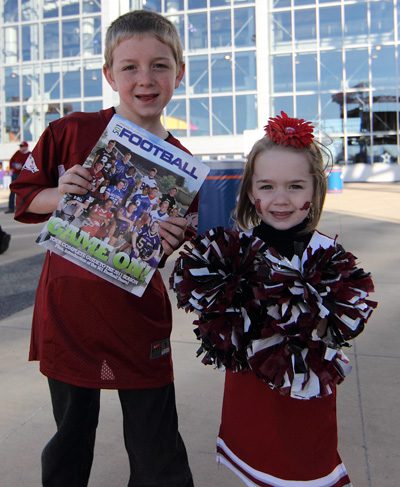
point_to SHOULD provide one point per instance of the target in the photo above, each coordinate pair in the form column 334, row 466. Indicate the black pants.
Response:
column 11, row 197
column 156, row 451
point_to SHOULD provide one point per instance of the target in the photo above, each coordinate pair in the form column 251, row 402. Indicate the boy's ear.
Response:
column 180, row 75
column 109, row 77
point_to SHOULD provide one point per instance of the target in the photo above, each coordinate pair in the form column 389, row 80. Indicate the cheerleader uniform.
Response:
column 272, row 440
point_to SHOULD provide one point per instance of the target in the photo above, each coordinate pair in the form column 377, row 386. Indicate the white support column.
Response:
column 263, row 30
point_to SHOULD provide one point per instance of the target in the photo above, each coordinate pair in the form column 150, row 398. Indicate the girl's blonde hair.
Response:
column 141, row 22
column 245, row 214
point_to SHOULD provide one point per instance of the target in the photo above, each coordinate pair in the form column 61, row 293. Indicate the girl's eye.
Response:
column 266, row 186
column 160, row 66
column 129, row 68
column 296, row 186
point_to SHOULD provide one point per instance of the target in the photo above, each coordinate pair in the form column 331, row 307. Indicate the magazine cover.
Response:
column 138, row 180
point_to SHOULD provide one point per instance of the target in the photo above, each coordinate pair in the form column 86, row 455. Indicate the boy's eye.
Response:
column 129, row 67
column 161, row 66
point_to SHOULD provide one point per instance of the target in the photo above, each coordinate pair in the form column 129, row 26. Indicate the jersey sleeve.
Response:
column 39, row 172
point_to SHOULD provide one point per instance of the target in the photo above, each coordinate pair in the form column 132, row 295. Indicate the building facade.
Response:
column 335, row 63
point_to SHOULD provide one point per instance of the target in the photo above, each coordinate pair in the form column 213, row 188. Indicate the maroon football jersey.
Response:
column 87, row 331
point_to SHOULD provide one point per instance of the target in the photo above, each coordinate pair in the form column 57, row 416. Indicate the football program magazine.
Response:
column 138, row 180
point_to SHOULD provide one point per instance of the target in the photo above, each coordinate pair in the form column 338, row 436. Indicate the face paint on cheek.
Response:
column 257, row 204
column 306, row 206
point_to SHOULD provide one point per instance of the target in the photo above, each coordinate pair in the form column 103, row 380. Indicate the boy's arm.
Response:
column 75, row 180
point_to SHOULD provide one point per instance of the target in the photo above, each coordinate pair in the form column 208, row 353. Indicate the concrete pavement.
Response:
column 367, row 219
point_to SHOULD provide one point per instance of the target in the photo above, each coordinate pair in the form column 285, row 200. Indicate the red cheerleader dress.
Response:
column 272, row 440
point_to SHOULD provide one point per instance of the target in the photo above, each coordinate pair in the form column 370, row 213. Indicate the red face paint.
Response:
column 306, row 206
column 257, row 204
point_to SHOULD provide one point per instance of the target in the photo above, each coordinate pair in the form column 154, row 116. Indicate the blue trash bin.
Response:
column 218, row 194
column 335, row 180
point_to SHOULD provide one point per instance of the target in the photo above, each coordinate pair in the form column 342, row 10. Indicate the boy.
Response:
column 88, row 333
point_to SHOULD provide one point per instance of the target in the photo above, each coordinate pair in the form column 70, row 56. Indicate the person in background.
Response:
column 16, row 163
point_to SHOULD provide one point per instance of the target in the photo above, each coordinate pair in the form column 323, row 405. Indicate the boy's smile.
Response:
column 145, row 74
column 282, row 187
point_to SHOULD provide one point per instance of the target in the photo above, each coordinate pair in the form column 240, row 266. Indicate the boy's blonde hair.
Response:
column 141, row 22
column 246, row 215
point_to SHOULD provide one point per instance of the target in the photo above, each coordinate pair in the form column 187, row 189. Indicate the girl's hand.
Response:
column 172, row 233
column 76, row 180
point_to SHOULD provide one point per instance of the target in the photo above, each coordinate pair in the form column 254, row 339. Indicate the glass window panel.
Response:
column 383, row 67
column 179, row 23
column 304, row 2
column 71, row 106
column 30, row 9
column 192, row 4
column 221, row 72
column 331, row 67
column 13, row 124
column 382, row 18
column 282, row 73
column 244, row 27
column 384, row 110
column 222, row 115
column 173, row 5
column 358, row 149
column 245, row 71
column 336, row 148
column 30, row 42
column 357, row 111
column 50, row 40
column 53, row 112
column 199, row 117
column 281, row 3
column 329, row 24
column 154, row 5
column 307, row 107
column 28, row 119
column 198, row 74
column 70, row 38
column 282, row 28
column 175, row 121
column 246, row 113
column 331, row 113
column 92, row 82
column 92, row 106
column 11, row 84
column 50, row 8
column 30, row 86
column 282, row 103
column 305, row 28
column 70, row 7
column 357, row 68
column 91, row 36
column 90, row 6
column 221, row 28
column 198, row 32
column 355, row 16
column 219, row 3
column 72, row 82
column 51, row 81
column 10, row 11
column 11, row 45
column 306, row 72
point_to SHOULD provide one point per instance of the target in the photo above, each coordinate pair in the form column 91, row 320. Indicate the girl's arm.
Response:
column 75, row 180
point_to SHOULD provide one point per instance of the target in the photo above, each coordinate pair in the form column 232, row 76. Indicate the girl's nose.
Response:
column 280, row 197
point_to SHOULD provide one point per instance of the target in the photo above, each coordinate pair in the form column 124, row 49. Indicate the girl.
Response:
column 277, row 324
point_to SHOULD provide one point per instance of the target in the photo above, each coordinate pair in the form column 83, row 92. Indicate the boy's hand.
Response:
column 76, row 180
column 172, row 233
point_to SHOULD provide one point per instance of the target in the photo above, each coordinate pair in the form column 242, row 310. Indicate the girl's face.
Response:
column 282, row 187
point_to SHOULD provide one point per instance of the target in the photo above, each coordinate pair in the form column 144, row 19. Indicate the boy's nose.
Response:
column 145, row 76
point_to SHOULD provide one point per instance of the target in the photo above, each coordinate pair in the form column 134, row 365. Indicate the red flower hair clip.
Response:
column 295, row 132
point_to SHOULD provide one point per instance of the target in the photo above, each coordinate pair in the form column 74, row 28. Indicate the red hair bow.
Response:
column 295, row 132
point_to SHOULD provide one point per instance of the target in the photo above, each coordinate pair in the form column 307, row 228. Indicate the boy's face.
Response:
column 145, row 74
